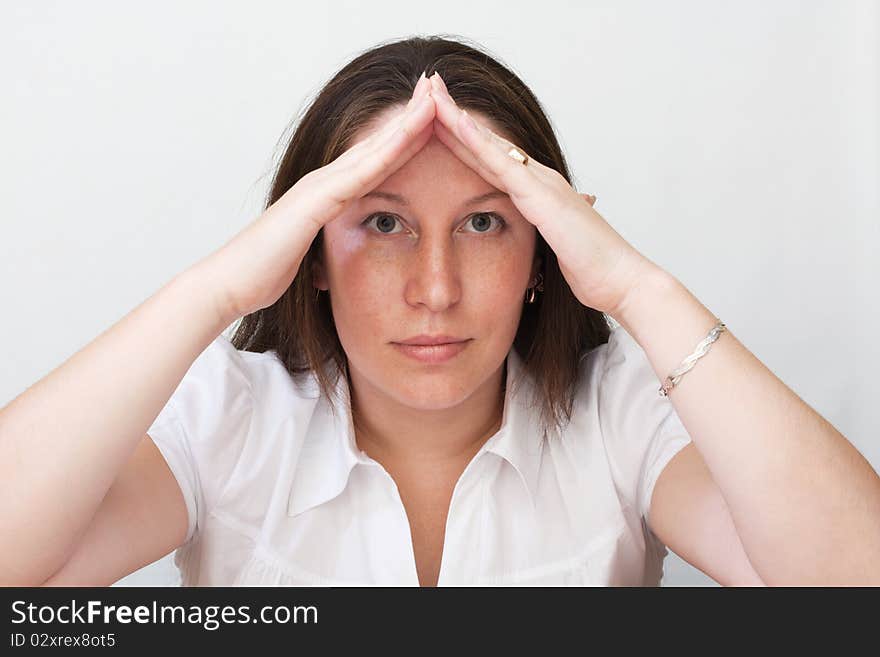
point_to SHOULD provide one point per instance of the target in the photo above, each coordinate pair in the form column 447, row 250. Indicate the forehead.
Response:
column 394, row 112
column 435, row 164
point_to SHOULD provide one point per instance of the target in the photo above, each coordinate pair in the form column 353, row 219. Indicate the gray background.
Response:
column 735, row 144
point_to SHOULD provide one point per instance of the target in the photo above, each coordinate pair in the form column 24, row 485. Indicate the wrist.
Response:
column 200, row 283
column 652, row 286
column 665, row 318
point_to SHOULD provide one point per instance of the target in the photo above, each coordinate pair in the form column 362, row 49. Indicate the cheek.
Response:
column 495, row 275
column 360, row 271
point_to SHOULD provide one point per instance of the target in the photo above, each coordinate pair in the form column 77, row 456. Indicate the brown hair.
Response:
column 554, row 332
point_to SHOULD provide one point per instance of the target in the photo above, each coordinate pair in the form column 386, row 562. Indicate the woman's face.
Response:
column 435, row 264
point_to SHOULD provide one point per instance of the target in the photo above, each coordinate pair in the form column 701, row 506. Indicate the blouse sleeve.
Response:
column 641, row 429
column 201, row 430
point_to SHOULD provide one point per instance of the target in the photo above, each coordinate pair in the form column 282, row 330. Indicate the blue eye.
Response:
column 385, row 223
column 487, row 222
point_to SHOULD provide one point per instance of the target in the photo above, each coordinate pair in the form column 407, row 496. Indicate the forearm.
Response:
column 64, row 439
column 805, row 502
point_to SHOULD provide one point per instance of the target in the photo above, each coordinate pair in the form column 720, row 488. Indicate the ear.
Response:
column 319, row 277
column 536, row 267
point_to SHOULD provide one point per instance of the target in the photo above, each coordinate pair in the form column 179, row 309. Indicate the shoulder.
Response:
column 627, row 388
column 608, row 371
column 224, row 371
column 619, row 410
column 224, row 393
column 220, row 369
column 620, row 348
column 233, row 412
column 627, row 400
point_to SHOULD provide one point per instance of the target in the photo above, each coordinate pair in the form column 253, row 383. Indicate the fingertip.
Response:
column 420, row 85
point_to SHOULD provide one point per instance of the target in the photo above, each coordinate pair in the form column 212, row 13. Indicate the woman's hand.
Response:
column 599, row 265
column 255, row 267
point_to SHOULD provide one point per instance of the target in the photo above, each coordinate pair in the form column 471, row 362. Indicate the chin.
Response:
column 433, row 395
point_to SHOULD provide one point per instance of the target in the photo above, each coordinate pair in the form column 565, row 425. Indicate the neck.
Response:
column 392, row 433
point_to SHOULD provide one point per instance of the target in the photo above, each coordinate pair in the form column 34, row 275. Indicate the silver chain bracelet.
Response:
column 688, row 363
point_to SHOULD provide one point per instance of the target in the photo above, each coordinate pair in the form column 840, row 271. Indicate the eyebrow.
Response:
column 397, row 198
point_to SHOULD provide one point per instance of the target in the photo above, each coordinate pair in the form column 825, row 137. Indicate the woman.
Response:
column 424, row 388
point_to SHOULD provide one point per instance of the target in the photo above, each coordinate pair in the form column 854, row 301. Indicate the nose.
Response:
column 433, row 274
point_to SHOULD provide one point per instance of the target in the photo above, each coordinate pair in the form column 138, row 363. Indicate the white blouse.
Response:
column 278, row 492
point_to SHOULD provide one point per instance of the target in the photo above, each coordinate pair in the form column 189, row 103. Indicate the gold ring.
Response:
column 518, row 155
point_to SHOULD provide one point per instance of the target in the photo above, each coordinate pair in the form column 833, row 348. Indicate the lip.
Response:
column 423, row 339
column 432, row 354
